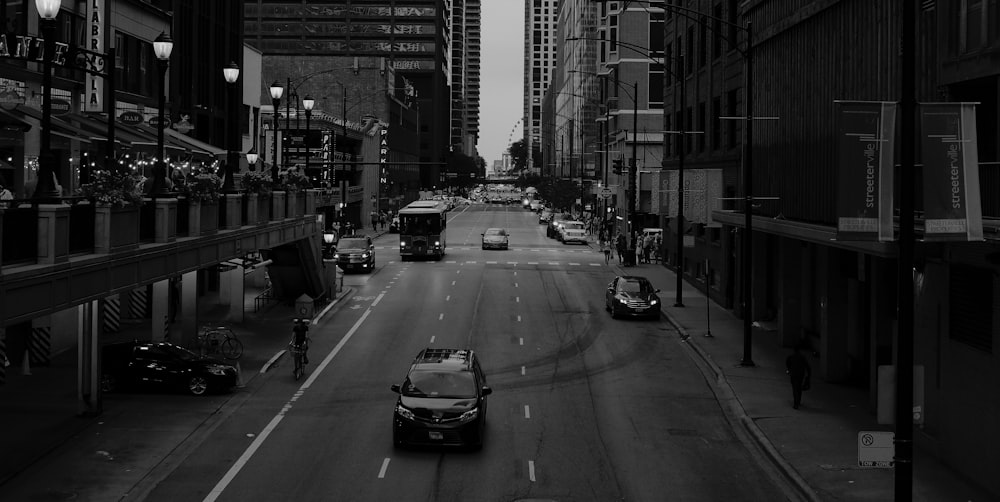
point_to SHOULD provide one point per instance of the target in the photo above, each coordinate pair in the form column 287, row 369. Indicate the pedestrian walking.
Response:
column 657, row 248
column 620, row 247
column 606, row 250
column 799, row 371
column 374, row 218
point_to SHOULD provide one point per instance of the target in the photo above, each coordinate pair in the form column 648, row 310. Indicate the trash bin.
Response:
column 630, row 257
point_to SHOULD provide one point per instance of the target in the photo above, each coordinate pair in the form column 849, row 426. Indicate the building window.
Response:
column 970, row 314
column 655, row 90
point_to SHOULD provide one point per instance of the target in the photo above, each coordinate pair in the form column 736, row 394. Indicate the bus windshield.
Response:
column 420, row 224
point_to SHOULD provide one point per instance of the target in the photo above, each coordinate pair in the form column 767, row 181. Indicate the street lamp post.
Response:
column 46, row 189
column 276, row 90
column 307, row 104
column 162, row 47
column 288, row 119
column 232, row 75
column 679, row 302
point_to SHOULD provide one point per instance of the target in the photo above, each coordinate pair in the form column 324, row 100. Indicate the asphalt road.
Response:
column 585, row 408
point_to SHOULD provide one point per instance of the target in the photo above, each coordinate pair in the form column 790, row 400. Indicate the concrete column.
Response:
column 40, row 341
column 189, row 309
column 232, row 284
column 234, row 209
column 161, row 309
column 833, row 317
column 166, row 220
column 89, row 358
column 53, row 233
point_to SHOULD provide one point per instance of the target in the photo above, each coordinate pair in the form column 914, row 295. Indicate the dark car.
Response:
column 632, row 295
column 355, row 252
column 442, row 401
column 165, row 365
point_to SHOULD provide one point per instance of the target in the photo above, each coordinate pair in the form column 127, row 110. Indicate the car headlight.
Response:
column 216, row 369
column 336, row 256
column 654, row 302
column 365, row 255
column 405, row 412
column 437, row 243
column 622, row 300
column 469, row 415
column 402, row 244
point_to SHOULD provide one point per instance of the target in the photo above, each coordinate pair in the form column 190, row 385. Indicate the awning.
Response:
column 196, row 144
column 60, row 127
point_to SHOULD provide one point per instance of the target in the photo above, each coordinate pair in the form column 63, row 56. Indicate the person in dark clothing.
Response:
column 799, row 371
column 300, row 338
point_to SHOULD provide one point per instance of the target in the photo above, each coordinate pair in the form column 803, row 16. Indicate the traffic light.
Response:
column 616, row 166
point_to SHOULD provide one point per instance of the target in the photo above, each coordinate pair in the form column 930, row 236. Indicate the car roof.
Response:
column 434, row 358
column 636, row 278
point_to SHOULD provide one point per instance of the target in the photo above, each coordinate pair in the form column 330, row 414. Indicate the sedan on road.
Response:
column 161, row 364
column 632, row 295
column 574, row 235
column 442, row 400
column 355, row 253
column 495, row 238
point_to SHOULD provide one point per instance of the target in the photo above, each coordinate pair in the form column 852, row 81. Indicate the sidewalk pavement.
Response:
column 814, row 447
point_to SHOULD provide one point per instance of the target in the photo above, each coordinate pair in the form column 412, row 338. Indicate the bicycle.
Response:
column 220, row 339
column 298, row 358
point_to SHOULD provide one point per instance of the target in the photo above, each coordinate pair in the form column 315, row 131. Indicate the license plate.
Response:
column 640, row 309
column 435, row 435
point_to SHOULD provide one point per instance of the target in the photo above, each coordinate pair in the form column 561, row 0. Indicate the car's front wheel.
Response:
column 197, row 385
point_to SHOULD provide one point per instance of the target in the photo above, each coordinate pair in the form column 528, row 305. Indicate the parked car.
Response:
column 127, row 365
column 632, row 295
column 577, row 235
column 495, row 238
column 442, row 400
column 355, row 253
column 544, row 217
column 569, row 225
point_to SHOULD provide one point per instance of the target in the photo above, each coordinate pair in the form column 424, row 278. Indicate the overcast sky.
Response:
column 501, row 77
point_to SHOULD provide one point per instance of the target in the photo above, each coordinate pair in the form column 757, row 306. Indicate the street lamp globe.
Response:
column 252, row 156
column 162, row 46
column 48, row 9
column 231, row 72
column 276, row 90
column 308, row 103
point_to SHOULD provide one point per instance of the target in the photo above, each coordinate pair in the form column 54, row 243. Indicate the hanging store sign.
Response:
column 95, row 40
column 865, row 135
column 952, row 207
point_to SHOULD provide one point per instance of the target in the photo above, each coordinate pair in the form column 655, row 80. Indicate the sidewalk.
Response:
column 814, row 447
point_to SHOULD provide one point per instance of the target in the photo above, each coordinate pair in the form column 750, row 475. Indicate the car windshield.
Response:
column 496, row 231
column 352, row 244
column 179, row 352
column 430, row 383
column 573, row 226
column 633, row 286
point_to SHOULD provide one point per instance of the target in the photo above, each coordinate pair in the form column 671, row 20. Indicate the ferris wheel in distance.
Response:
column 513, row 129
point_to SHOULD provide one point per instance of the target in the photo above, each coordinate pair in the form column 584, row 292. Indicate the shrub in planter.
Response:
column 256, row 182
column 202, row 187
column 114, row 189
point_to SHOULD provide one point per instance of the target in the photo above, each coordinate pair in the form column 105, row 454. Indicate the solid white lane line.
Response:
column 521, row 340
column 440, row 316
column 522, row 370
column 273, row 424
column 527, row 412
column 531, row 470
column 518, row 318
column 385, row 467
column 517, row 299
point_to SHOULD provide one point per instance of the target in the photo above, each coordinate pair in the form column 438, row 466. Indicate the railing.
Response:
column 263, row 299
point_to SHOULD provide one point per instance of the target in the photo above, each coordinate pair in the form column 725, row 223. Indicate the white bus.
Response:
column 422, row 226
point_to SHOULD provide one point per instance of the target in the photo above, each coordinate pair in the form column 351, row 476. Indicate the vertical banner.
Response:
column 95, row 42
column 865, row 139
column 952, row 208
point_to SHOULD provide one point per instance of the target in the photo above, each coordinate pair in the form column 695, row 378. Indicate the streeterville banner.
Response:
column 952, row 206
column 865, row 159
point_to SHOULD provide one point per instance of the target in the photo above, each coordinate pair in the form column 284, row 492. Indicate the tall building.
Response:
column 298, row 39
column 540, row 18
column 465, row 65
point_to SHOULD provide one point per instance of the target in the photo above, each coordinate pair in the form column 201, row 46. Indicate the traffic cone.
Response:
column 26, row 365
column 239, row 376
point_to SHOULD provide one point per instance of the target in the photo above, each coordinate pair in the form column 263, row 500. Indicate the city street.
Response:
column 584, row 407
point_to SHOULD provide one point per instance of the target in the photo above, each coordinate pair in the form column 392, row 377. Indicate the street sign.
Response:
column 605, row 193
column 876, row 449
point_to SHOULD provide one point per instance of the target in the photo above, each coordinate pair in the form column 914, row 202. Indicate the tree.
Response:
column 518, row 155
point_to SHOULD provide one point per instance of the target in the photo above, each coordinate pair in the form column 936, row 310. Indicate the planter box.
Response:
column 234, row 210
column 115, row 229
column 203, row 218
column 313, row 196
column 258, row 209
column 277, row 205
column 292, row 204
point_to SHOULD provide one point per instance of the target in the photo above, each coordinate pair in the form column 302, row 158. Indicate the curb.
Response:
column 749, row 425
column 277, row 357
